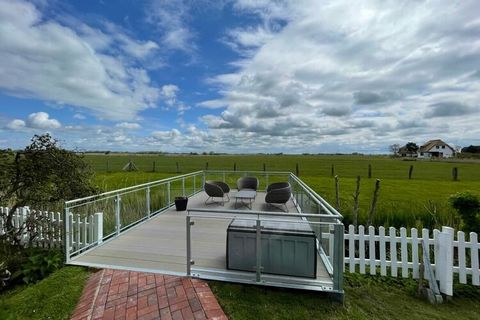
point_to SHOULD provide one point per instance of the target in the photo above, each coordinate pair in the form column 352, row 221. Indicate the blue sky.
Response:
column 239, row 76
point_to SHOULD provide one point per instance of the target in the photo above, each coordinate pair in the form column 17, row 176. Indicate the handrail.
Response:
column 247, row 171
column 139, row 186
column 317, row 196
column 263, row 213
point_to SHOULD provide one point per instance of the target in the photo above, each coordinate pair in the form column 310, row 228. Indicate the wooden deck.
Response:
column 159, row 244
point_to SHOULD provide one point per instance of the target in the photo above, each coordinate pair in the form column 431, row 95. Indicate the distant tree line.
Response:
column 471, row 149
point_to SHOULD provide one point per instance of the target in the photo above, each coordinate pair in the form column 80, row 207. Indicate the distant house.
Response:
column 436, row 149
column 405, row 152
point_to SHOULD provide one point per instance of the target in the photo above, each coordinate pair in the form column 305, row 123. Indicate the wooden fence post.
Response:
column 410, row 172
column 355, row 202
column 455, row 174
column 264, row 167
column 234, row 166
column 371, row 215
column 153, row 168
column 333, row 170
column 297, row 172
column 369, row 171
column 178, row 168
column 337, row 193
column 206, row 165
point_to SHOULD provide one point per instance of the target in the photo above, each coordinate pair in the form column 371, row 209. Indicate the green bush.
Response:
column 468, row 206
column 38, row 265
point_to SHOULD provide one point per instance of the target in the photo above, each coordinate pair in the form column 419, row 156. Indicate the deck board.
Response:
column 159, row 244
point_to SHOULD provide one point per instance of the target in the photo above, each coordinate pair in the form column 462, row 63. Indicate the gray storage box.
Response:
column 287, row 248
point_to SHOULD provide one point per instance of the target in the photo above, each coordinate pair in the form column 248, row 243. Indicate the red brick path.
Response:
column 125, row 295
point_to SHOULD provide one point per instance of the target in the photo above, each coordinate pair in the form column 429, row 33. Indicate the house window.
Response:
column 443, row 147
column 437, row 147
column 421, row 153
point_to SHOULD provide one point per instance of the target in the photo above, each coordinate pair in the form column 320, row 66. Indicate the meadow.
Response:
column 421, row 201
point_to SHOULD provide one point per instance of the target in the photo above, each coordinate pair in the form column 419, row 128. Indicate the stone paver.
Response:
column 127, row 295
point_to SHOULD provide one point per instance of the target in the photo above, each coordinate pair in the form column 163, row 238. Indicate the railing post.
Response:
column 194, row 184
column 149, row 211
column 189, row 245
column 338, row 256
column 117, row 213
column 98, row 227
column 168, row 194
column 183, row 186
column 258, row 242
column 266, row 181
column 66, row 236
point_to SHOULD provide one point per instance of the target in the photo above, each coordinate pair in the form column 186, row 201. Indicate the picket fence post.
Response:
column 444, row 261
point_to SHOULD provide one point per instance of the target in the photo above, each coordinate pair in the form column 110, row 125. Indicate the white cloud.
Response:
column 36, row 120
column 337, row 72
column 128, row 125
column 169, row 94
column 170, row 17
column 16, row 124
column 41, row 120
column 47, row 60
column 166, row 135
column 212, row 104
column 79, row 116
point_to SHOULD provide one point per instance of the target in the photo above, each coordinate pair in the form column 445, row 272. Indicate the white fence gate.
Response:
column 373, row 250
column 85, row 231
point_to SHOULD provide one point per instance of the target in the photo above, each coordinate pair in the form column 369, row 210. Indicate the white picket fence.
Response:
column 372, row 249
column 86, row 231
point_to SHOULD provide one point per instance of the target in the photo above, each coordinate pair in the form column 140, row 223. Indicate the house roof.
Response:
column 433, row 143
column 404, row 150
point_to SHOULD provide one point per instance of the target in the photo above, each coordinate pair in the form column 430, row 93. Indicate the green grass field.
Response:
column 55, row 297
column 419, row 202
column 366, row 297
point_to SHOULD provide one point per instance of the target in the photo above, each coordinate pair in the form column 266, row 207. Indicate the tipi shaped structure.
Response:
column 130, row 166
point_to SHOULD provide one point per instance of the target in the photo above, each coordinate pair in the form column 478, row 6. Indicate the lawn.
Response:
column 419, row 202
column 366, row 297
column 55, row 297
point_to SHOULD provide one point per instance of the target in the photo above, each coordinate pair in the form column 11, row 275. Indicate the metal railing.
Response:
column 127, row 207
column 124, row 208
column 328, row 230
column 312, row 210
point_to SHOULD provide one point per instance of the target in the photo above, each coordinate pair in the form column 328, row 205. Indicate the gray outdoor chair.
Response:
column 278, row 193
column 247, row 183
column 216, row 189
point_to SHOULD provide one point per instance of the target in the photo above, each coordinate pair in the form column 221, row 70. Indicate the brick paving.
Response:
column 126, row 295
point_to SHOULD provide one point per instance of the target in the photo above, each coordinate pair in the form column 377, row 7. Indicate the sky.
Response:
column 245, row 76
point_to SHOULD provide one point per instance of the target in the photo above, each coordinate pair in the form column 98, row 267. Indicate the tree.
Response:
column 471, row 149
column 412, row 147
column 41, row 176
column 394, row 148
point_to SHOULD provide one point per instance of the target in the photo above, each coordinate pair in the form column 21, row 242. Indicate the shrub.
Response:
column 467, row 205
column 37, row 265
